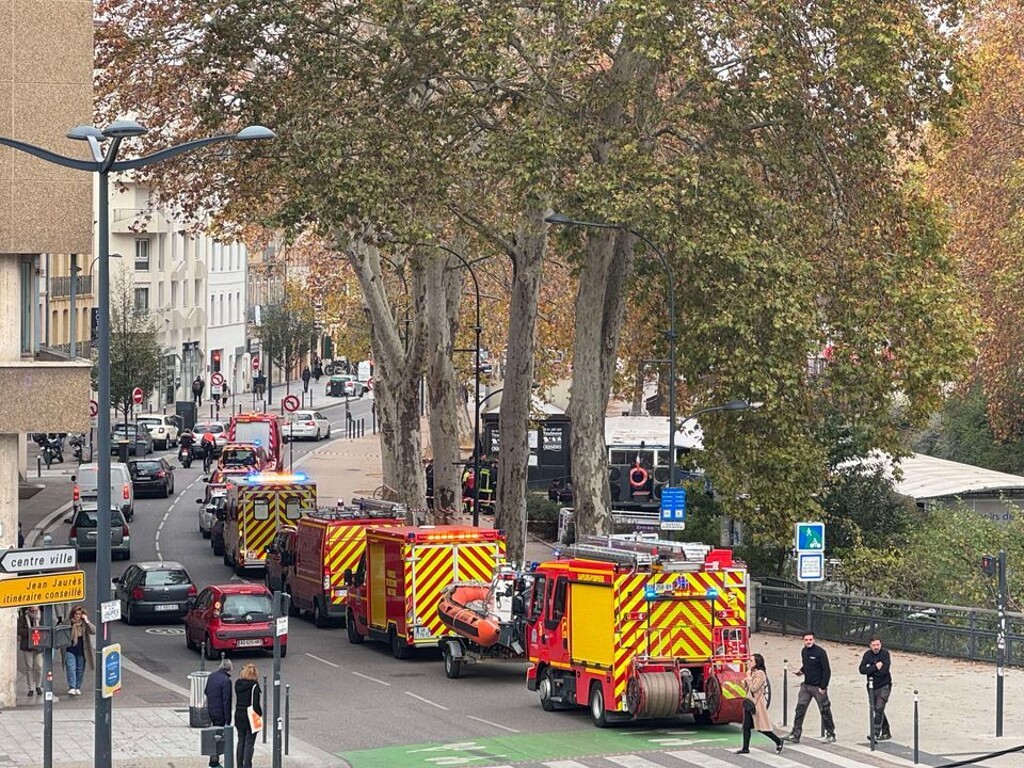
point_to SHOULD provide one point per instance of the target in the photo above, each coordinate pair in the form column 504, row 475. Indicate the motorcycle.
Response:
column 51, row 447
column 185, row 456
column 77, row 442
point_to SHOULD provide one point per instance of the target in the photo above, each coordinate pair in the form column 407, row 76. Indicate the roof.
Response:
column 630, row 431
column 926, row 477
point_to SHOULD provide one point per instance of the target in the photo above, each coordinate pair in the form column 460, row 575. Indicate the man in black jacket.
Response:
column 816, row 673
column 218, row 699
column 875, row 664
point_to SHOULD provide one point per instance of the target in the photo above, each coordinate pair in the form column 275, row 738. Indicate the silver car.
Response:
column 83, row 533
column 208, row 512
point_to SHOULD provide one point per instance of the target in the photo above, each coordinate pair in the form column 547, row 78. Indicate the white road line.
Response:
column 426, row 701
column 702, row 760
column 838, row 760
column 371, row 679
column 631, row 761
column 777, row 761
column 324, row 661
column 886, row 756
column 496, row 725
column 564, row 764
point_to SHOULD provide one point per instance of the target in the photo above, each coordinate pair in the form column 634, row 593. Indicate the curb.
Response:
column 43, row 525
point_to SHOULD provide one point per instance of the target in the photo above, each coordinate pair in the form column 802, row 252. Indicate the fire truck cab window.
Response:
column 261, row 509
column 291, row 509
column 537, row 598
column 558, row 592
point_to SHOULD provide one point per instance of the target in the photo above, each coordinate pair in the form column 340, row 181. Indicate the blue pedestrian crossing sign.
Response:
column 810, row 537
column 673, row 509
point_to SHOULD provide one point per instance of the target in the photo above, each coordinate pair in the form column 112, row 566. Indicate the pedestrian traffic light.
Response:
column 39, row 638
column 988, row 565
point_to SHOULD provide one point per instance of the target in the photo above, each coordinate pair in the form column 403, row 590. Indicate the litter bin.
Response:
column 198, row 714
column 122, row 451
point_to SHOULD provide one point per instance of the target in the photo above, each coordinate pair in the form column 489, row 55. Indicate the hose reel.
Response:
column 658, row 694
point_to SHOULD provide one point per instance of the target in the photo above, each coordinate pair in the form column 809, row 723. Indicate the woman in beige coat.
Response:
column 756, row 683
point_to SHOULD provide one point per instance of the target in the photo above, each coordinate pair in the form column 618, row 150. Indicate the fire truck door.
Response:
column 554, row 613
column 376, row 591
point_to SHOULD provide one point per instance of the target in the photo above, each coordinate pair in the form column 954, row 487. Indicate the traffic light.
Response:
column 988, row 565
column 215, row 360
column 39, row 638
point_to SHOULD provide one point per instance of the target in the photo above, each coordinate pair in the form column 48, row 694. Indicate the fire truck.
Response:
column 258, row 505
column 636, row 629
column 394, row 593
column 313, row 561
column 262, row 429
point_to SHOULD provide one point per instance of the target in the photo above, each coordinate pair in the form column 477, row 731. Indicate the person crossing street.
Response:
column 816, row 674
column 875, row 665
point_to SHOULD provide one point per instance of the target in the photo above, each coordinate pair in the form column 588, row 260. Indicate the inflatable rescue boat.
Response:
column 463, row 609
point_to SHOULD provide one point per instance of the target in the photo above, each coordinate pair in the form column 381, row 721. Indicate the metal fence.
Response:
column 943, row 630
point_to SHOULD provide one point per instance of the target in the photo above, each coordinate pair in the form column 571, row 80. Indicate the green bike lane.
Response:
column 533, row 747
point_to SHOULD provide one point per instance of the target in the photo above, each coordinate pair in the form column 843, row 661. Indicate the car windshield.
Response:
column 238, row 607
column 239, row 457
column 213, row 428
column 151, row 421
column 166, row 578
column 86, row 518
column 146, row 466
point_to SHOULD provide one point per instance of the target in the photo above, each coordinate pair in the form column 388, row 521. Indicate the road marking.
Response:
column 371, row 679
column 703, row 760
column 839, row 761
column 564, row 764
column 774, row 760
column 426, row 701
column 324, row 661
column 631, row 761
column 488, row 722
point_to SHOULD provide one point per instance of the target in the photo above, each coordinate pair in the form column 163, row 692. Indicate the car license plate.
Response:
column 167, row 607
column 249, row 643
column 421, row 632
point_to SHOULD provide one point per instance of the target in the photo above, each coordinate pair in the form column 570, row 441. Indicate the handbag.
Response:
column 255, row 718
column 748, row 706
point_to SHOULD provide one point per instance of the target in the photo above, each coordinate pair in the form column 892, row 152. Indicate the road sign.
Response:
column 94, row 408
column 217, row 378
column 810, row 537
column 673, row 508
column 282, row 626
column 255, row 362
column 110, row 611
column 216, row 389
column 46, row 589
column 810, row 566
column 137, row 395
column 290, row 403
column 111, row 669
column 38, row 559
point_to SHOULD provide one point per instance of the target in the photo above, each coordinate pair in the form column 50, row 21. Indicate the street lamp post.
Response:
column 557, row 218
column 103, row 164
column 732, row 405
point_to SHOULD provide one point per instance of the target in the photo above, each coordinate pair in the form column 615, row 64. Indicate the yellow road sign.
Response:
column 42, row 590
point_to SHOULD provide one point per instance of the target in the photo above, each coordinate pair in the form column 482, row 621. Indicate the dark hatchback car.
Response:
column 152, row 476
column 154, row 590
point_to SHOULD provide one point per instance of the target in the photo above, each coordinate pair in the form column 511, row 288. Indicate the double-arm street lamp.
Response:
column 557, row 218
column 732, row 405
column 103, row 163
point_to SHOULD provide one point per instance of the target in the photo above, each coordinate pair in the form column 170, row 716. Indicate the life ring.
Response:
column 637, row 477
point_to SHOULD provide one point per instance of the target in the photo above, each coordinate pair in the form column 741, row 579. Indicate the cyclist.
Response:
column 208, row 443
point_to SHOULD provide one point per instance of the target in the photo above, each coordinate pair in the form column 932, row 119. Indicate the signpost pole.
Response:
column 278, row 722
column 809, row 626
column 48, row 690
column 1001, row 641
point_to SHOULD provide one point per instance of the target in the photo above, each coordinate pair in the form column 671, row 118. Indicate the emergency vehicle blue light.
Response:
column 711, row 594
column 650, row 593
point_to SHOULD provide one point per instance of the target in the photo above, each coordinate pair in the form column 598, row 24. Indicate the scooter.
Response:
column 51, row 449
column 77, row 442
column 185, row 456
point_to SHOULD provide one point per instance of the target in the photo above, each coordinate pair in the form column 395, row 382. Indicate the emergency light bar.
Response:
column 274, row 477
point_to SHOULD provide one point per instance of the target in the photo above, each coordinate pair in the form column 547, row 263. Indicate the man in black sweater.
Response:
column 218, row 700
column 816, row 673
column 875, row 664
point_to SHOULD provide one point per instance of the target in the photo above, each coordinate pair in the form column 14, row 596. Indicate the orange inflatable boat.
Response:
column 463, row 609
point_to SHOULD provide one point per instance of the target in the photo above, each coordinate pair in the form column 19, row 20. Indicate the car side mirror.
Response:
column 200, row 501
column 116, row 579
column 190, row 603
column 74, row 479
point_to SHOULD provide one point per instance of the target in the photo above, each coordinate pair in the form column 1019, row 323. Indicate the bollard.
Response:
column 39, row 467
column 202, row 656
column 266, row 708
column 287, row 715
column 872, row 736
column 785, row 691
column 916, row 730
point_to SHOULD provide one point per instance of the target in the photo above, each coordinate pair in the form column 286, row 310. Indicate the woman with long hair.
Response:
column 78, row 655
column 247, row 694
column 755, row 705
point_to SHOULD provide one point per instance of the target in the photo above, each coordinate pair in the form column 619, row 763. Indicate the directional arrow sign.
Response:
column 38, row 559
column 46, row 589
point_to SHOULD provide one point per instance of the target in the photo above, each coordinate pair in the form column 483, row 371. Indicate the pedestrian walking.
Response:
column 318, row 370
column 816, row 673
column 247, row 695
column 198, row 385
column 21, row 536
column 218, row 700
column 79, row 653
column 755, row 705
column 306, row 376
column 31, row 618
column 875, row 664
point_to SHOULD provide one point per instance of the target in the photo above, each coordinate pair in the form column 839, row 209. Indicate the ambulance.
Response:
column 326, row 543
column 637, row 629
column 394, row 592
column 261, row 429
column 257, row 506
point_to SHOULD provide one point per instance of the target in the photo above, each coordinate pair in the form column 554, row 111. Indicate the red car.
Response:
column 232, row 617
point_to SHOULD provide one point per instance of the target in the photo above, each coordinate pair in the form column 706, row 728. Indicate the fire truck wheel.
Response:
column 398, row 647
column 452, row 665
column 350, row 625
column 546, row 689
column 319, row 615
column 597, row 711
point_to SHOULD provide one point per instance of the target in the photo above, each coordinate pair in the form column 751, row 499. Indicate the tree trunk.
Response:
column 527, row 253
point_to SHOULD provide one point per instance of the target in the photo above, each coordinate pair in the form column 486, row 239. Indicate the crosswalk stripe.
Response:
column 564, row 764
column 701, row 760
column 829, row 757
column 776, row 761
column 631, row 761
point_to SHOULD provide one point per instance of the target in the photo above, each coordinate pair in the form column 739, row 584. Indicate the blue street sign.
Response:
column 673, row 508
column 111, row 670
column 810, row 566
column 810, row 537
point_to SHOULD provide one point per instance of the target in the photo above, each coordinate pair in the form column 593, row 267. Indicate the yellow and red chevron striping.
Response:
column 434, row 570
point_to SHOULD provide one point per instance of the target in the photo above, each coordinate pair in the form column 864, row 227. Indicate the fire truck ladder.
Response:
column 643, row 551
column 379, row 507
column 352, row 513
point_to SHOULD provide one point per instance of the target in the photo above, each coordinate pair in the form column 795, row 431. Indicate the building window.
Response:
column 142, row 254
column 141, row 300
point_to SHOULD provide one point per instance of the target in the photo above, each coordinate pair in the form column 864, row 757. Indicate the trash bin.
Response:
column 198, row 714
column 122, row 451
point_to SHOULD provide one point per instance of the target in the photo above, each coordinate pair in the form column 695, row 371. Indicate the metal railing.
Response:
column 61, row 286
column 943, row 630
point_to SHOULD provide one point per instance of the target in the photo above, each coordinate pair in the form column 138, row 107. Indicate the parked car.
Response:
column 307, row 425
column 343, row 385
column 217, row 429
column 152, row 476
column 232, row 617
column 83, row 533
column 122, row 492
column 217, row 531
column 208, row 509
column 140, row 442
column 155, row 590
column 163, row 429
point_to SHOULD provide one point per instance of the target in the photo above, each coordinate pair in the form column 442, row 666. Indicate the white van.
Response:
column 122, row 495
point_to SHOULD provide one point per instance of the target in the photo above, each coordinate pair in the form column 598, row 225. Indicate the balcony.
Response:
column 140, row 221
column 45, row 397
column 60, row 286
